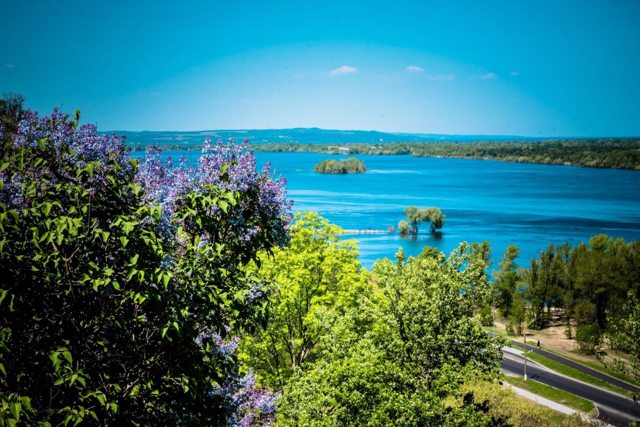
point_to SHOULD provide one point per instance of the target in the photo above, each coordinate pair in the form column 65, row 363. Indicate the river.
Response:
column 528, row 205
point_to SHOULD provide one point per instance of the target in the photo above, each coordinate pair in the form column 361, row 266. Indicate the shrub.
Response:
column 121, row 292
column 486, row 316
column 588, row 338
column 404, row 228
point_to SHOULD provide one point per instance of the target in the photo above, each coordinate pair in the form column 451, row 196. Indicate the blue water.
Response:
column 528, row 205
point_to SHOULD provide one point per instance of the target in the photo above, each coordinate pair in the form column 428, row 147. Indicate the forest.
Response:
column 154, row 293
column 594, row 288
column 619, row 153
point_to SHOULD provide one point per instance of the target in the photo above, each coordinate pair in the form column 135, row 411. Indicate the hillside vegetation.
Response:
column 600, row 153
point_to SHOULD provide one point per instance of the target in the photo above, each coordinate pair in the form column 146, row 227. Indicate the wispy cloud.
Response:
column 514, row 73
column 413, row 69
column 488, row 76
column 433, row 77
column 442, row 77
column 343, row 69
column 9, row 66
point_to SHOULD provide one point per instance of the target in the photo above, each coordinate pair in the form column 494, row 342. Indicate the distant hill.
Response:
column 300, row 136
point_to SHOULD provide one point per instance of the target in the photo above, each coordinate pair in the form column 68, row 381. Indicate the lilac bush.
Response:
column 229, row 166
column 69, row 148
column 123, row 286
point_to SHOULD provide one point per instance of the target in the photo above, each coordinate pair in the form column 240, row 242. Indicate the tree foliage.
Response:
column 350, row 165
column 317, row 277
column 590, row 283
column 415, row 216
column 122, row 290
column 400, row 355
column 619, row 153
column 506, row 281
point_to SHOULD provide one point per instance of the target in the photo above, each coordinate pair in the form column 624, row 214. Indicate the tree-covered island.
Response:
column 350, row 165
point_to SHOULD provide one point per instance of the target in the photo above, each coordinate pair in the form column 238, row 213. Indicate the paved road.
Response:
column 594, row 373
column 613, row 408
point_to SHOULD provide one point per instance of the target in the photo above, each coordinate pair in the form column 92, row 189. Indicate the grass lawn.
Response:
column 574, row 373
column 570, row 372
column 598, row 367
column 552, row 393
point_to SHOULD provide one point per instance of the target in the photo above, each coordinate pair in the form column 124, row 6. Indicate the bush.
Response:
column 588, row 338
column 404, row 228
column 486, row 316
column 121, row 291
column 505, row 407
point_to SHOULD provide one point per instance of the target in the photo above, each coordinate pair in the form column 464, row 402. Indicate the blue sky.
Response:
column 538, row 68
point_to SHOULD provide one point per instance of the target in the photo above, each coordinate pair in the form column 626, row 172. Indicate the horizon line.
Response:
column 382, row 132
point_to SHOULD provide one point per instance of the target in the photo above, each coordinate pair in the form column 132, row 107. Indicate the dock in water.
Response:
column 366, row 231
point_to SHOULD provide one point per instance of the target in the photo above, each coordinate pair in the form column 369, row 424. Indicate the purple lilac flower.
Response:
column 71, row 148
column 255, row 405
column 255, row 292
column 227, row 165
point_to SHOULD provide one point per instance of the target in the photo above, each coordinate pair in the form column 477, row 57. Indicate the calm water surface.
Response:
column 528, row 205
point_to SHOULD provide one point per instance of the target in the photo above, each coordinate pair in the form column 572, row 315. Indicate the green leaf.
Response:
column 165, row 279
column 46, row 208
column 15, row 409
column 101, row 398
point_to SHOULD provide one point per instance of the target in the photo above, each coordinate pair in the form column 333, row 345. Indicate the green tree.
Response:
column 517, row 314
column 404, row 228
column 506, row 281
column 470, row 262
column 543, row 284
column 316, row 278
column 416, row 215
column 628, row 340
column 435, row 217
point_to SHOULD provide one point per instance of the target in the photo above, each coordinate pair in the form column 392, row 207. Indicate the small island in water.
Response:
column 350, row 165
